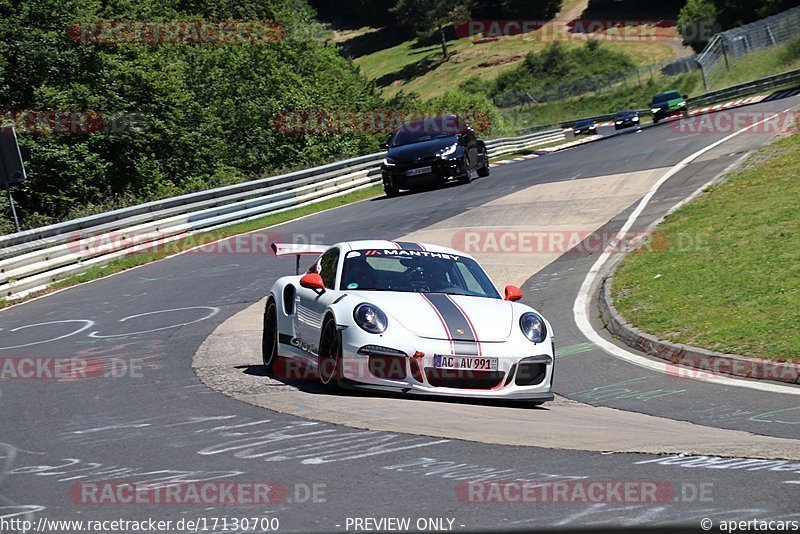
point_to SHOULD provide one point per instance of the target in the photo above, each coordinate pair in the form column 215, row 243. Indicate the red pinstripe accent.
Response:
column 441, row 320
column 422, row 247
column 474, row 332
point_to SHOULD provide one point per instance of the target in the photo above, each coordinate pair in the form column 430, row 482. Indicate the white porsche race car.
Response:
column 406, row 317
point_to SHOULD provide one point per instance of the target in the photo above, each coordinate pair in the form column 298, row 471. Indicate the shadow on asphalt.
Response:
column 307, row 381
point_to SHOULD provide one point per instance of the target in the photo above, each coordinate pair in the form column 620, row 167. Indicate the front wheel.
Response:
column 329, row 360
column 484, row 171
column 467, row 176
column 390, row 191
column 269, row 336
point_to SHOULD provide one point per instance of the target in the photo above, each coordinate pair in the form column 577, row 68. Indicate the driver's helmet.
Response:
column 435, row 274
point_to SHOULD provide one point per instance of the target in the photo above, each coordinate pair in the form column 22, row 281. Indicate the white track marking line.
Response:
column 581, row 307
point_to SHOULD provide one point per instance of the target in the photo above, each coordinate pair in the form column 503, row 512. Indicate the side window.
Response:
column 327, row 267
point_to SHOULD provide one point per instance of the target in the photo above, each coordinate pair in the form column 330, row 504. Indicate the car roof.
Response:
column 366, row 244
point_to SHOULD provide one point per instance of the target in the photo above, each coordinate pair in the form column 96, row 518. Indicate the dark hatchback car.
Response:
column 585, row 126
column 626, row 118
column 432, row 151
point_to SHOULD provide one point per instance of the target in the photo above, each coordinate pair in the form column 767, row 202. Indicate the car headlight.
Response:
column 619, row 122
column 447, row 151
column 533, row 327
column 388, row 162
column 370, row 318
column 636, row 119
column 655, row 110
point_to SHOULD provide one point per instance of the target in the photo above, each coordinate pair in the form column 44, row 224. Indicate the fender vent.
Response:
column 288, row 299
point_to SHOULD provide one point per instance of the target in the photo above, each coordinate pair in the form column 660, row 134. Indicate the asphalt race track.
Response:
column 155, row 421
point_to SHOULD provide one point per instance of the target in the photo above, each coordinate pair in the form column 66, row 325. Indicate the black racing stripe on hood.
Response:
column 456, row 322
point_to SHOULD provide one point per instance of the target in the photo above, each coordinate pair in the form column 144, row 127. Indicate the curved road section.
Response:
column 123, row 398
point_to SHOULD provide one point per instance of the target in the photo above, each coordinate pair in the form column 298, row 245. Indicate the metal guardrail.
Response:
column 509, row 145
column 33, row 259
column 748, row 88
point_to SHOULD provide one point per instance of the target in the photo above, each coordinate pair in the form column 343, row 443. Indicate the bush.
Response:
column 559, row 64
column 209, row 108
column 791, row 53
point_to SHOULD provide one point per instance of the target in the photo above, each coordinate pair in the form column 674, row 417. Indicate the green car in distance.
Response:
column 667, row 104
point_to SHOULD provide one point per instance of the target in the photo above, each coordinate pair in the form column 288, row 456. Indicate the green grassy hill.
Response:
column 397, row 63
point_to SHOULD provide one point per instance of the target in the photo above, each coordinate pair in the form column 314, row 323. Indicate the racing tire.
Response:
column 467, row 176
column 329, row 358
column 484, row 171
column 269, row 336
column 390, row 191
column 655, row 119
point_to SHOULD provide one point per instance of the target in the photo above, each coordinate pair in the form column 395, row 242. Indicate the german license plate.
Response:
column 472, row 363
column 421, row 170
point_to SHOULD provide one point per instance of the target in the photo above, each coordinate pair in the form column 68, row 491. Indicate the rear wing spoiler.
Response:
column 295, row 249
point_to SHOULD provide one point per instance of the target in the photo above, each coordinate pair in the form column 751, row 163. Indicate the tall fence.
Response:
column 732, row 45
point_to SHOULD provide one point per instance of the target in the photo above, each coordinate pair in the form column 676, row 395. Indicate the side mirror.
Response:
column 314, row 281
column 384, row 145
column 685, row 96
column 513, row 293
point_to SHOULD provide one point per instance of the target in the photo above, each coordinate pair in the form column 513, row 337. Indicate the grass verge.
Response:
column 760, row 64
column 162, row 251
column 729, row 280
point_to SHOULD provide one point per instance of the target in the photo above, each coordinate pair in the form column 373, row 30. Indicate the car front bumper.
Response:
column 441, row 171
column 666, row 113
column 627, row 123
column 524, row 370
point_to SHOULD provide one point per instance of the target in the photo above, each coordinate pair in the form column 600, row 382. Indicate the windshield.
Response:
column 664, row 97
column 415, row 272
column 405, row 136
